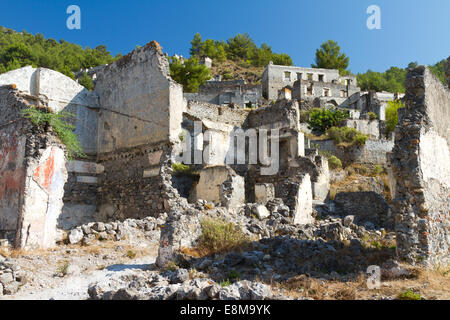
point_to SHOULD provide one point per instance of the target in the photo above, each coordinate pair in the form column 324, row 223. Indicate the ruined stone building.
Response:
column 137, row 128
column 308, row 83
column 236, row 92
column 131, row 128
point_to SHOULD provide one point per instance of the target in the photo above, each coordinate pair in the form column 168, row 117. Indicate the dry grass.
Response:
column 430, row 284
column 17, row 253
column 353, row 181
column 314, row 137
column 218, row 236
column 238, row 70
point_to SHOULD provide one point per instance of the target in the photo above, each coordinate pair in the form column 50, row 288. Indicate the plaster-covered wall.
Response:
column 12, row 177
column 44, row 190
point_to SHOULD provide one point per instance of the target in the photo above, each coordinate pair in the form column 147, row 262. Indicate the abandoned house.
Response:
column 130, row 128
column 136, row 127
column 236, row 92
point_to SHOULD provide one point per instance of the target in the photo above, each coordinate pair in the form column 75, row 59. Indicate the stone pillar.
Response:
column 420, row 164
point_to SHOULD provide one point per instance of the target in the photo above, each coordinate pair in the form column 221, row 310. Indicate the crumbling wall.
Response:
column 80, row 194
column 227, row 92
column 60, row 93
column 420, row 163
column 12, row 164
column 139, row 123
column 292, row 185
column 42, row 204
column 139, row 102
column 368, row 127
column 373, row 151
column 221, row 186
column 33, row 174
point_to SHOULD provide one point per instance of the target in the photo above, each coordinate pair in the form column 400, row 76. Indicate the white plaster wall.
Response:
column 303, row 212
column 434, row 158
column 44, row 191
column 365, row 126
column 24, row 79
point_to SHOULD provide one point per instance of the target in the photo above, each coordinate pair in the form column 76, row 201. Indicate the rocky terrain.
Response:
column 326, row 259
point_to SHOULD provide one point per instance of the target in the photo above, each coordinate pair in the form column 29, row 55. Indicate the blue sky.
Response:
column 412, row 30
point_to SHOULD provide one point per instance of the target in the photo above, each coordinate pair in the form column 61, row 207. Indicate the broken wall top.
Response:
column 140, row 104
column 283, row 114
column 429, row 108
column 58, row 89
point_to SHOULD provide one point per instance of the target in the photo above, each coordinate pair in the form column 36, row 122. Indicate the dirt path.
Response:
column 76, row 287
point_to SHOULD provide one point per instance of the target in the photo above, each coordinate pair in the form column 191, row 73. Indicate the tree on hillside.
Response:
column 21, row 49
column 240, row 46
column 196, row 45
column 329, row 56
column 190, row 74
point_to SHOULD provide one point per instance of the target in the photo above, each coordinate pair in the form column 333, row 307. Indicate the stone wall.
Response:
column 274, row 77
column 420, row 163
column 132, row 184
column 373, row 152
column 221, row 186
column 292, row 185
column 139, row 102
column 12, row 162
column 228, row 92
column 32, row 173
column 139, row 124
column 372, row 128
column 59, row 93
column 80, row 194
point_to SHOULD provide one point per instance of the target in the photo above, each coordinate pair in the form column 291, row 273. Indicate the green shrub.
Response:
column 321, row 120
column 220, row 236
column 372, row 115
column 63, row 268
column 180, row 168
column 227, row 75
column 377, row 169
column 334, row 162
column 392, row 116
column 170, row 266
column 86, row 81
column 58, row 121
column 409, row 295
column 225, row 283
column 234, row 275
column 346, row 135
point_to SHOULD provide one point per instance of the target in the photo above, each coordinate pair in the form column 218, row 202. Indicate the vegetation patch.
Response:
column 409, row 295
column 346, row 136
column 219, row 236
column 392, row 116
column 372, row 115
column 59, row 123
column 320, row 120
column 334, row 162
column 181, row 169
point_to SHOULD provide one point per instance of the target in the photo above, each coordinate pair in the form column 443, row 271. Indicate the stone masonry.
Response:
column 421, row 168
